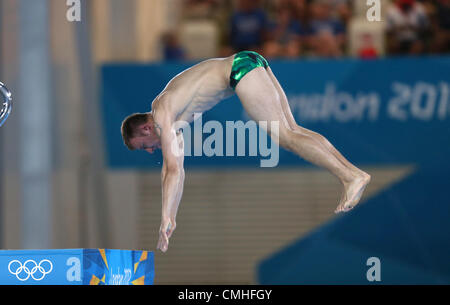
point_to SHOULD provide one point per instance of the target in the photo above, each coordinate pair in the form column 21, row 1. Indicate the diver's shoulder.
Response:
column 161, row 101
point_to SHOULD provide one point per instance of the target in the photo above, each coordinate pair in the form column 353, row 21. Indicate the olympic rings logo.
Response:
column 30, row 269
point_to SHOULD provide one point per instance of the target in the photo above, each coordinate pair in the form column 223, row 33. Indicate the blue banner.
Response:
column 76, row 267
column 383, row 111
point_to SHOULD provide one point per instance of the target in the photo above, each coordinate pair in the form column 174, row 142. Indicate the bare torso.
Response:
column 195, row 90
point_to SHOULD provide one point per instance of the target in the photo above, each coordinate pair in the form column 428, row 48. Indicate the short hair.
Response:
column 129, row 126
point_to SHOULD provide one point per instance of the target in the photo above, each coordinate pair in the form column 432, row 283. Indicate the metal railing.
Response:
column 6, row 104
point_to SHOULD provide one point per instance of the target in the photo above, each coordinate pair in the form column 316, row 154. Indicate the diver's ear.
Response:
column 146, row 129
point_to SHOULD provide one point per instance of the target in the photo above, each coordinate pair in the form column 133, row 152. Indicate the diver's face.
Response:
column 148, row 143
column 147, row 140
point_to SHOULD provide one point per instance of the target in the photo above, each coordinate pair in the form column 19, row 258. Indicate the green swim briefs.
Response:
column 243, row 63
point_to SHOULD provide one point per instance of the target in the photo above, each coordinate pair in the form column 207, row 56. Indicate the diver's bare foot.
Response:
column 353, row 192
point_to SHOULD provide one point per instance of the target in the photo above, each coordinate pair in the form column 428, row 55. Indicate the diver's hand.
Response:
column 165, row 232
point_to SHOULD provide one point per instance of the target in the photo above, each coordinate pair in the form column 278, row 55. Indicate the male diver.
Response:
column 201, row 87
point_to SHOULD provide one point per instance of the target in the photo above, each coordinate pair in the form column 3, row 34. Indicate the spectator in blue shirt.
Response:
column 285, row 35
column 326, row 33
column 172, row 50
column 248, row 26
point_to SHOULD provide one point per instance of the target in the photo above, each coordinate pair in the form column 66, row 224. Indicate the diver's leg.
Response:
column 264, row 100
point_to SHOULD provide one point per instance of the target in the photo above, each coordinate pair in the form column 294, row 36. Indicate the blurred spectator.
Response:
column 284, row 36
column 172, row 50
column 299, row 8
column 326, row 33
column 407, row 24
column 367, row 49
column 248, row 26
column 318, row 27
column 341, row 9
column 442, row 31
column 344, row 8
